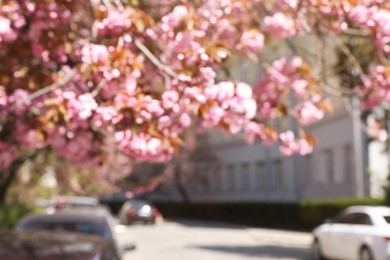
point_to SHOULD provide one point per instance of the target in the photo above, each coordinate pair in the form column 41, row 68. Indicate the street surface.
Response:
column 194, row 240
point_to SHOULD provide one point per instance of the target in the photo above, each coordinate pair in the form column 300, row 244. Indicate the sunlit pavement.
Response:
column 190, row 240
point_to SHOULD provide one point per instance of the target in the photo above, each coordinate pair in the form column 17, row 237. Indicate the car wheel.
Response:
column 365, row 254
column 316, row 251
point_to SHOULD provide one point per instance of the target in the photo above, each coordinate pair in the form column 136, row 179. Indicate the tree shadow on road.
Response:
column 262, row 251
column 207, row 224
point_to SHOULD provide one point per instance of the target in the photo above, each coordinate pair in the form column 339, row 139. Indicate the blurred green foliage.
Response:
column 11, row 213
column 302, row 215
column 314, row 212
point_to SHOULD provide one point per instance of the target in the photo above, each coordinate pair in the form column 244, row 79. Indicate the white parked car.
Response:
column 358, row 232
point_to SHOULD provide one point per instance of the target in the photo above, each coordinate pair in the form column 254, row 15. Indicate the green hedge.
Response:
column 11, row 213
column 314, row 212
column 303, row 215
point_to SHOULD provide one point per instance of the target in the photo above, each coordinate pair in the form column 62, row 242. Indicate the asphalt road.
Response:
column 193, row 240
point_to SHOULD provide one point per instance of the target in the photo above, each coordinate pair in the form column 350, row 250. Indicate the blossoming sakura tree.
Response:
column 79, row 76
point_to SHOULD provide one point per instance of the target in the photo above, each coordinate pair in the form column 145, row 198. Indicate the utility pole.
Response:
column 358, row 148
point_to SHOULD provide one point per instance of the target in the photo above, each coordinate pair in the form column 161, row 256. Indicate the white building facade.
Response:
column 230, row 170
column 343, row 164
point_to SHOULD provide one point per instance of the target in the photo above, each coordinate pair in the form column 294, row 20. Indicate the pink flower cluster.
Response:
column 119, row 89
column 174, row 18
column 144, row 108
column 94, row 53
column 257, row 131
column 11, row 21
column 116, row 21
column 376, row 87
column 235, row 106
column 49, row 21
column 290, row 145
column 28, row 137
column 280, row 78
column 143, row 147
column 308, row 113
column 329, row 14
column 7, row 34
column 3, row 104
column 77, row 145
column 19, row 100
column 283, row 78
column 280, row 26
column 375, row 19
column 8, row 153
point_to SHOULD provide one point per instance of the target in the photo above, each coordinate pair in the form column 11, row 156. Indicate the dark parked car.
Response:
column 138, row 211
column 96, row 221
column 49, row 245
column 61, row 202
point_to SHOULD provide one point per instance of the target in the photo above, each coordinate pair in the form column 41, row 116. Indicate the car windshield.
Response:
column 81, row 227
column 387, row 218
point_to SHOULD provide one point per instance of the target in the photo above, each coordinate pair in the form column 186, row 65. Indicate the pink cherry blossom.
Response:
column 141, row 75
column 7, row 34
column 173, row 19
column 254, row 131
column 279, row 25
column 94, row 53
column 8, row 153
column 226, row 91
column 376, row 87
column 290, row 145
column 252, row 41
column 29, row 138
column 308, row 113
column 164, row 122
column 83, row 106
column 169, row 99
column 243, row 90
column 185, row 120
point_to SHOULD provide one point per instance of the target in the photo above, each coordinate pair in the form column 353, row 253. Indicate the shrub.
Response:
column 11, row 213
column 302, row 215
column 314, row 212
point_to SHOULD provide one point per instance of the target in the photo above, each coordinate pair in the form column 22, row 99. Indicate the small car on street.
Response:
column 358, row 232
column 138, row 211
column 61, row 202
column 49, row 245
column 93, row 221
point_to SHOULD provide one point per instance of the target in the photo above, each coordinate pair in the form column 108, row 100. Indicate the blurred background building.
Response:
column 345, row 162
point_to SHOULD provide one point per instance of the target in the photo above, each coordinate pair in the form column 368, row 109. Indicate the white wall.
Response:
column 327, row 176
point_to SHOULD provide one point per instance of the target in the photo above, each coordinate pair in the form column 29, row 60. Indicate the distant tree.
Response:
column 69, row 178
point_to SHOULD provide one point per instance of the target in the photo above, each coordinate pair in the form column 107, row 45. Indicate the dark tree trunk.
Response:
column 8, row 176
column 180, row 184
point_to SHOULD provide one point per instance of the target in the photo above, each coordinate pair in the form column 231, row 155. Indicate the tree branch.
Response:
column 98, row 88
column 154, row 59
column 347, row 52
column 44, row 90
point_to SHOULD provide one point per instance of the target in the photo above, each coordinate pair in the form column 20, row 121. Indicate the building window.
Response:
column 277, row 174
column 307, row 169
column 329, row 165
column 203, row 179
column 230, row 177
column 194, row 182
column 261, row 176
column 245, row 182
column 348, row 166
column 218, row 178
column 322, row 164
